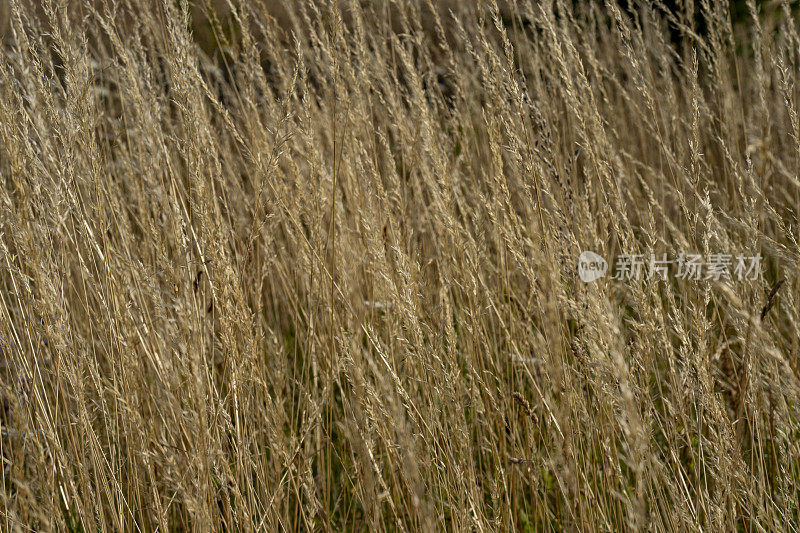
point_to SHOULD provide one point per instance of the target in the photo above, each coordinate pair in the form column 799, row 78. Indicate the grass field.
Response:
column 320, row 270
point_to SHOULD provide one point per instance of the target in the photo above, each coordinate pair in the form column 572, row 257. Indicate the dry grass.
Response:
column 321, row 275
